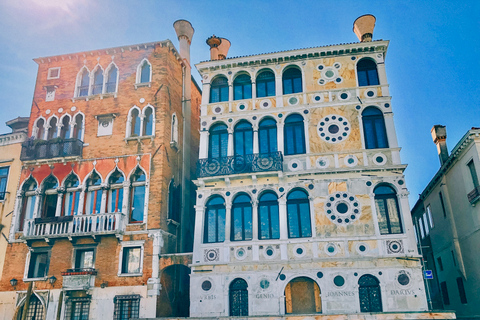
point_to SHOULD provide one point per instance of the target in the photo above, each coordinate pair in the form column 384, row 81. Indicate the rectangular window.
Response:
column 3, row 182
column 443, row 204
column 440, row 263
column 473, row 173
column 425, row 224
column 420, row 226
column 127, row 307
column 453, row 258
column 84, row 259
column 430, row 217
column 131, row 260
column 77, row 309
column 38, row 267
column 53, row 73
column 446, row 299
column 461, row 290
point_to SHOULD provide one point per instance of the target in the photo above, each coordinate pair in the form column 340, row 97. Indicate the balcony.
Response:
column 71, row 226
column 55, row 148
column 79, row 279
column 240, row 164
column 474, row 195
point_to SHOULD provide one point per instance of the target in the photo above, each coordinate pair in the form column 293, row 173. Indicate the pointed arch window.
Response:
column 40, row 129
column 218, row 141
column 241, row 218
column 72, row 196
column 115, row 194
column 28, row 202
column 174, row 128
column 78, row 127
column 242, row 87
column 265, row 84
column 135, row 123
column 145, row 72
column 292, row 80
column 238, row 292
column 298, row 214
column 93, row 200
column 174, row 195
column 367, row 73
column 98, row 81
column 148, row 122
column 388, row 213
column 137, row 196
column 243, row 139
column 50, row 197
column 214, row 220
column 294, row 135
column 65, row 131
column 369, row 294
column 219, row 90
column 267, row 136
column 34, row 311
column 111, row 84
column 374, row 129
column 52, row 129
column 84, row 83
column 268, row 220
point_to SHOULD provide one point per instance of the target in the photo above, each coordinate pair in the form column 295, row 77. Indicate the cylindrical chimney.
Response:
column 184, row 31
column 439, row 136
column 363, row 27
column 223, row 48
column 214, row 42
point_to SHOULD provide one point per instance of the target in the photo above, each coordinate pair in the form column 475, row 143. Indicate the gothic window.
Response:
column 370, row 294
column 72, row 196
column 111, row 84
column 219, row 90
column 147, row 121
column 174, row 197
column 144, row 73
column 28, row 202
column 367, row 73
column 265, row 84
column 35, row 309
column 97, row 81
column 135, row 123
column 50, row 197
column 268, row 220
column 242, row 87
column 40, row 129
column 292, row 80
column 174, row 129
column 302, row 296
column 267, row 136
column 115, row 194
column 52, row 128
column 83, row 83
column 298, row 214
column 137, row 196
column 93, row 200
column 65, row 131
column 388, row 212
column 238, row 298
column 218, row 144
column 78, row 127
column 241, row 218
column 294, row 135
column 374, row 128
column 214, row 220
column 243, row 138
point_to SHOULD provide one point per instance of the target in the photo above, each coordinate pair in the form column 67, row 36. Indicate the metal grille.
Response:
column 370, row 295
column 238, row 298
column 127, row 307
column 35, row 309
column 77, row 309
column 40, row 149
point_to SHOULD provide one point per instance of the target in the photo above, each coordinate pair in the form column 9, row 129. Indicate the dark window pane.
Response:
column 446, row 298
column 292, row 81
column 461, row 291
column 131, row 260
column 473, row 173
column 374, row 129
column 265, row 84
column 367, row 73
column 145, row 73
column 219, row 90
column 138, row 204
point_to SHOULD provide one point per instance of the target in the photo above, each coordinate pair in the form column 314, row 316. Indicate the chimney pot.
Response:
column 439, row 137
column 363, row 27
column 214, row 42
column 223, row 48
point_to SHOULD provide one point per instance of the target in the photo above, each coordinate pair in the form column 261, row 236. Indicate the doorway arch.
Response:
column 302, row 295
column 238, row 293
column 369, row 293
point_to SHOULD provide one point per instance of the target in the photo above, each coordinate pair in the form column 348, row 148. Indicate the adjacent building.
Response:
column 112, row 133
column 447, row 219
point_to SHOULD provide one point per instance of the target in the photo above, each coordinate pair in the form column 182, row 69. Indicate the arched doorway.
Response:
column 238, row 297
column 369, row 294
column 174, row 300
column 35, row 309
column 302, row 295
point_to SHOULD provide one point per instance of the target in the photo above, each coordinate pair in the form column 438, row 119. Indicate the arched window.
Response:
column 219, row 90
column 111, row 84
column 137, row 196
column 298, row 214
column 35, row 309
column 115, row 194
column 148, row 122
column 268, row 221
column 135, row 123
column 214, row 220
column 50, row 197
column 98, row 81
column 72, row 196
column 174, row 195
column 145, row 72
column 218, row 144
column 40, row 129
column 84, row 83
column 294, row 135
column 238, row 292
column 374, row 128
column 369, row 294
column 267, row 136
column 52, row 129
column 388, row 213
column 28, row 202
column 292, row 80
column 302, row 296
column 241, row 218
column 242, row 87
column 65, row 131
column 243, row 138
column 265, row 84
column 93, row 200
column 367, row 73
column 174, row 128
column 78, row 128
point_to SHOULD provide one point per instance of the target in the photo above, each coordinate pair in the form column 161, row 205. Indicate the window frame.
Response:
column 119, row 299
column 222, row 137
column 70, row 308
column 97, row 71
column 80, row 248
column 294, row 125
column 372, row 121
column 268, row 133
column 80, row 86
column 223, row 89
column 106, row 84
column 265, row 82
column 472, row 169
column 268, row 204
column 49, row 73
column 243, row 211
column 241, row 83
column 241, row 135
column 67, row 202
column 131, row 196
column 366, row 71
column 138, row 81
column 217, row 226
column 4, row 186
column 297, row 203
column 384, row 198
column 292, row 80
column 131, row 245
column 34, row 252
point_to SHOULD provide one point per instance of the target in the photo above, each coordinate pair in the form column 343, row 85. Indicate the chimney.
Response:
column 363, row 27
column 223, row 48
column 184, row 31
column 214, row 42
column 439, row 136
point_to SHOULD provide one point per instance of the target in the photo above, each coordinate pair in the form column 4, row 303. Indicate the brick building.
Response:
column 107, row 160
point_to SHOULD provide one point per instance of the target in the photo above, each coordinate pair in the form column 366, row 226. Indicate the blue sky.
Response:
column 432, row 63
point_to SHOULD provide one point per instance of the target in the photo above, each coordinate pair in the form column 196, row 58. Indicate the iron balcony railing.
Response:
column 259, row 162
column 474, row 195
column 47, row 149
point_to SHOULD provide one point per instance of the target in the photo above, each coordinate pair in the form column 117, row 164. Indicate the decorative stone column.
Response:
column 153, row 283
column 230, row 149
column 228, row 222
column 282, row 216
column 203, row 152
column 255, row 139
column 280, row 141
column 255, row 220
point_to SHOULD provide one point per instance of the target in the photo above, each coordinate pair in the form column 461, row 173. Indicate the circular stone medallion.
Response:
column 333, row 128
column 342, row 208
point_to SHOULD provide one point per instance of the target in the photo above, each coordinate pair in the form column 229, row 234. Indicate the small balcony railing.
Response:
column 474, row 195
column 79, row 279
column 48, row 149
column 240, row 164
column 79, row 271
column 90, row 224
